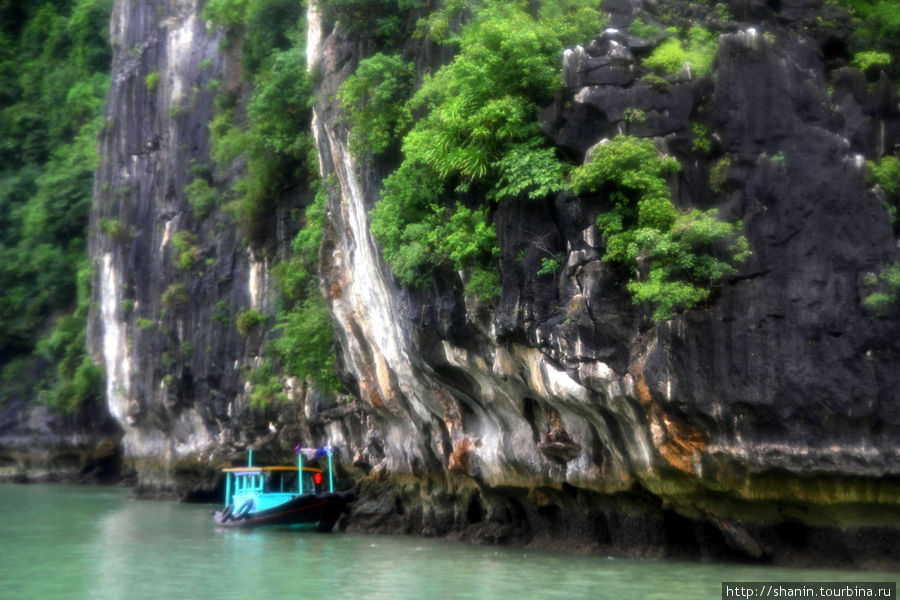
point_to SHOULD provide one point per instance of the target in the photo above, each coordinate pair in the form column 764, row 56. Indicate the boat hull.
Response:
column 319, row 511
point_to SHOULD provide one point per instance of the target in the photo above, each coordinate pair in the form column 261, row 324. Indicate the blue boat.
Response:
column 287, row 496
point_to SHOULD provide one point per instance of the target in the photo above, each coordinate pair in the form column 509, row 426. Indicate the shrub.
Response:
column 871, row 59
column 478, row 140
column 175, row 295
column 697, row 47
column 202, row 197
column 886, row 173
column 701, row 142
column 886, row 294
column 152, row 80
column 374, row 99
column 187, row 251
column 249, row 320
column 672, row 256
column 644, row 30
column 145, row 324
column 718, row 175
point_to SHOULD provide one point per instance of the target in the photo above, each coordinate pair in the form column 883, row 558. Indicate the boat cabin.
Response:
column 266, row 487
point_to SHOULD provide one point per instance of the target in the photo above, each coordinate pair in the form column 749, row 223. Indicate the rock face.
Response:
column 762, row 426
column 169, row 282
column 757, row 426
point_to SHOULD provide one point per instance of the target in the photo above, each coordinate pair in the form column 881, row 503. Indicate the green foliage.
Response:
column 644, row 30
column 152, row 80
column 478, row 141
column 306, row 343
column 114, row 228
column 550, row 265
column 671, row 255
column 876, row 35
column 266, row 386
column 374, row 100
column 871, row 59
column 886, row 286
column 634, row 115
column 187, row 252
column 701, row 143
column 273, row 145
column 697, row 47
column 174, row 296
column 381, row 21
column 262, row 26
column 528, row 170
column 249, row 320
column 683, row 264
column 202, row 197
column 718, row 175
column 145, row 324
column 886, row 173
column 54, row 65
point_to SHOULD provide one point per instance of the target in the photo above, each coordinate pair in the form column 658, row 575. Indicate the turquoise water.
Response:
column 77, row 542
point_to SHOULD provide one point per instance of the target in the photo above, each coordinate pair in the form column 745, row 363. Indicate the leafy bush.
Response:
column 644, row 30
column 187, row 252
column 202, row 197
column 249, row 320
column 152, row 80
column 478, row 140
column 174, row 296
column 305, row 345
column 887, row 290
column 701, row 143
column 672, row 257
column 718, row 175
column 871, row 59
column 697, row 47
column 274, row 146
column 374, row 99
column 886, row 173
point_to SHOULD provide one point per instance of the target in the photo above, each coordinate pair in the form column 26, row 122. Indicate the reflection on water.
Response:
column 72, row 542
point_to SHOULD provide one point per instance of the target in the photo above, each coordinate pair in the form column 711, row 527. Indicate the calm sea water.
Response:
column 75, row 542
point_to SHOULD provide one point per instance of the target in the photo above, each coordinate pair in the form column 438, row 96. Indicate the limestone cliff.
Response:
column 758, row 426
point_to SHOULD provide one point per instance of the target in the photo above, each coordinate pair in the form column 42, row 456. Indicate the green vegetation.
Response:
column 871, row 59
column 374, row 98
column 266, row 386
column 696, row 46
column 249, row 320
column 54, row 65
column 273, row 141
column 886, row 173
column 701, row 143
column 187, row 252
column 306, row 343
column 718, row 175
column 886, row 284
column 876, row 35
column 145, row 324
column 202, row 197
column 672, row 257
column 174, row 296
column 271, row 144
column 478, row 143
column 152, row 80
column 645, row 30
column 634, row 115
